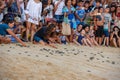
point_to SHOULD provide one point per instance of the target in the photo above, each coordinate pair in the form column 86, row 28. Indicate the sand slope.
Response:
column 66, row 63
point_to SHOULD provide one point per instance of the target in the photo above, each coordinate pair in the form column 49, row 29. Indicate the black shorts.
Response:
column 99, row 31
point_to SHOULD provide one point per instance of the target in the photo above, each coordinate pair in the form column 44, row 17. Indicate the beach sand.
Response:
column 68, row 62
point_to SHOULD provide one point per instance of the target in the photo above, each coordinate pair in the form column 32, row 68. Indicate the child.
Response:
column 107, row 18
column 64, row 39
column 55, row 35
column 81, row 38
column 33, row 16
column 58, row 15
column 18, row 26
column 115, row 37
column 76, row 34
column 86, row 28
column 92, row 36
column 49, row 11
column 80, row 13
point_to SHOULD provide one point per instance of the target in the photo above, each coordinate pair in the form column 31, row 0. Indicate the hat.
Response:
column 17, row 19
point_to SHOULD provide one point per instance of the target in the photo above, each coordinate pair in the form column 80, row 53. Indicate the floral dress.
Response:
column 71, row 17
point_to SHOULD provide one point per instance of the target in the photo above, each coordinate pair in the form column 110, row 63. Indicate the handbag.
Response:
column 66, row 29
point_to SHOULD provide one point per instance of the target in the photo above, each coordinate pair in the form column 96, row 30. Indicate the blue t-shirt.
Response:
column 3, row 29
column 70, row 12
column 80, row 13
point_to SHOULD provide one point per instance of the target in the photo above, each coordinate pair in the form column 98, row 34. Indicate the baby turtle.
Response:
column 91, row 58
column 88, row 71
column 37, row 56
column 26, row 51
column 113, row 62
column 28, row 55
column 47, row 56
column 8, row 50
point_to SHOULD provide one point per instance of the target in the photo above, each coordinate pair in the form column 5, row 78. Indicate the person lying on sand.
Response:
column 5, row 28
column 42, row 36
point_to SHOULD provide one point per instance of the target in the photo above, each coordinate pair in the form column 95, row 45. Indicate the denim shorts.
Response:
column 59, row 18
column 37, row 39
column 106, row 33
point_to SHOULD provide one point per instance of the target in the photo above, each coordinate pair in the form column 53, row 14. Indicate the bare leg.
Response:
column 114, row 42
column 104, row 41
column 88, row 41
column 84, row 42
column 28, row 30
column 32, row 32
column 100, row 40
column 95, row 42
column 118, row 42
column 97, row 39
column 107, row 41
column 76, row 42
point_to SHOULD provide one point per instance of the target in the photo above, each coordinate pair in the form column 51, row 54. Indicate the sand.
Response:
column 68, row 62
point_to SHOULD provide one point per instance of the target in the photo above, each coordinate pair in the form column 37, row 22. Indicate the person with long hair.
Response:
column 69, row 13
column 115, row 37
column 42, row 36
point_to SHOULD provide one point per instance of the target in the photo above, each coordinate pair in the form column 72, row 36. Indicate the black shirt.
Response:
column 42, row 34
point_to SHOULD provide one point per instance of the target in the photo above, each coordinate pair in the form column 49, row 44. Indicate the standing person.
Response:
column 48, row 10
column 69, row 11
column 99, row 25
column 33, row 16
column 13, row 8
column 5, row 28
column 58, row 15
column 22, row 8
column 113, row 14
column 117, row 21
column 107, row 18
column 2, row 6
column 80, row 13
column 74, row 3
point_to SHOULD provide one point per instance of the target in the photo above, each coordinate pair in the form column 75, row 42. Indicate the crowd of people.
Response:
column 87, row 22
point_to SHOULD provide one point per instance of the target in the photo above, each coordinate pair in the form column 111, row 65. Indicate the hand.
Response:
column 24, row 45
column 116, row 33
column 108, row 30
column 27, row 16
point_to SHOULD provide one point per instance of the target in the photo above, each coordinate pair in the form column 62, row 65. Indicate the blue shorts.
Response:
column 59, row 18
column 37, row 39
column 64, row 42
column 106, row 33
column 80, row 39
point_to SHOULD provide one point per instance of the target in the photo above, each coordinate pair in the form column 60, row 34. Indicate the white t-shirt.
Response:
column 34, row 11
column 50, row 13
column 60, row 7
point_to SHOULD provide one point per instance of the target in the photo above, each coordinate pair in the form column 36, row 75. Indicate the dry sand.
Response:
column 69, row 62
